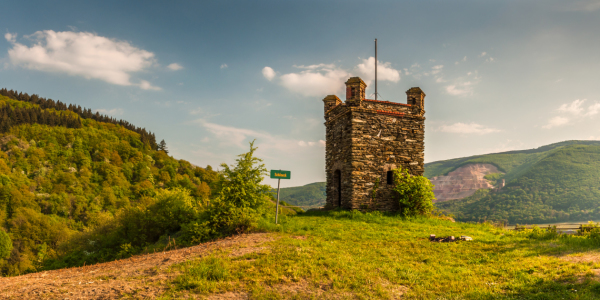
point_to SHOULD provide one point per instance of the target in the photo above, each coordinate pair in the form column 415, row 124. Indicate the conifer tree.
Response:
column 162, row 146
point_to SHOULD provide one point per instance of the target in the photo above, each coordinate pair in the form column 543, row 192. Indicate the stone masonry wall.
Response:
column 364, row 141
column 338, row 149
column 382, row 143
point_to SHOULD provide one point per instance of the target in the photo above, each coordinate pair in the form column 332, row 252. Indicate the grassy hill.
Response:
column 343, row 255
column 554, row 183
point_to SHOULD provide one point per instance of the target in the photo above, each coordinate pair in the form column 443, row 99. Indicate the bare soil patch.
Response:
column 138, row 277
column 582, row 257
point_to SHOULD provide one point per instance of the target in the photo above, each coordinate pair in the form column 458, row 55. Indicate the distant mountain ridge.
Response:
column 310, row 195
column 553, row 183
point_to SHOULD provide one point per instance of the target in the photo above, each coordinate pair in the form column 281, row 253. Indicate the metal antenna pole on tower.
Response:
column 375, row 69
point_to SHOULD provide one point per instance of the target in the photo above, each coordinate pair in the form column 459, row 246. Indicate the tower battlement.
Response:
column 365, row 140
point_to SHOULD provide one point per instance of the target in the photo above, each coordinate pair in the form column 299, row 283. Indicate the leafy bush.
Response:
column 237, row 207
column 544, row 233
column 415, row 193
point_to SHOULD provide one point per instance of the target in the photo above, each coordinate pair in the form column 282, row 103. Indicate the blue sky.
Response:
column 208, row 77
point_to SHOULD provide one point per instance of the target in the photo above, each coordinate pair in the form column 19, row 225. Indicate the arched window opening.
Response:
column 337, row 181
column 390, row 177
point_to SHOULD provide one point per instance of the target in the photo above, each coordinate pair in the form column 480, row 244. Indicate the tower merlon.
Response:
column 331, row 101
column 355, row 91
column 415, row 96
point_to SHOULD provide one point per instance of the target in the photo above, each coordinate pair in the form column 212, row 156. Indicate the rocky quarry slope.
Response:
column 462, row 182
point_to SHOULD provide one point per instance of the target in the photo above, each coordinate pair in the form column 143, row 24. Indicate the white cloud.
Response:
column 483, row 54
column 11, row 38
column 224, row 66
column 467, row 128
column 555, row 122
column 111, row 112
column 593, row 109
column 268, row 73
column 322, row 143
column 175, row 67
column 464, row 58
column 82, row 54
column 576, row 108
column 460, row 89
column 573, row 107
column 436, row 69
column 318, row 80
column 239, row 137
column 384, row 71
column 145, row 85
column 463, row 86
column 313, row 67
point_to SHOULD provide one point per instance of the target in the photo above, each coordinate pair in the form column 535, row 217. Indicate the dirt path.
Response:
column 138, row 277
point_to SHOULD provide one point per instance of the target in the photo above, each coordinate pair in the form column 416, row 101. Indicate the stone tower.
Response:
column 367, row 139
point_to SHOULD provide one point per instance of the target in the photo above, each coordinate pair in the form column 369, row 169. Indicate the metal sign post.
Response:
column 279, row 174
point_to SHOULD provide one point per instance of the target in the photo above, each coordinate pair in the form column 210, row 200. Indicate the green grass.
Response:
column 374, row 256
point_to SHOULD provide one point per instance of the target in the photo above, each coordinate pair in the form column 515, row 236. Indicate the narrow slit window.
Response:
column 390, row 177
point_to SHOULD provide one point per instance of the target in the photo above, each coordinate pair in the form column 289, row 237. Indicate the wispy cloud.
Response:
column 573, row 107
column 555, row 122
column 463, row 86
column 573, row 111
column 175, row 67
column 467, row 128
column 436, row 69
column 224, row 66
column 82, row 54
column 228, row 136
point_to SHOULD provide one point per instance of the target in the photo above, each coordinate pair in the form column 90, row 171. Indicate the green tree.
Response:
column 237, row 206
column 415, row 193
column 162, row 146
column 5, row 244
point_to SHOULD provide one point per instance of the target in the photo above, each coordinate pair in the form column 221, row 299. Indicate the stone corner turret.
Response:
column 330, row 102
column 355, row 91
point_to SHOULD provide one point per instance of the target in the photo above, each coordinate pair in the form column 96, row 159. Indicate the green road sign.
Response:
column 278, row 174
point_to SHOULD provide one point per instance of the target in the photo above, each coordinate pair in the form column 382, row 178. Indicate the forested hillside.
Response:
column 37, row 110
column 554, row 183
column 310, row 195
column 66, row 173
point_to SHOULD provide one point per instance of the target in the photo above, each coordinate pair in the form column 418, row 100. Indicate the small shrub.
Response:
column 415, row 193
column 544, row 233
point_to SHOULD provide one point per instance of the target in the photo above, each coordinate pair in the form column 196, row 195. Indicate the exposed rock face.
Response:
column 366, row 140
column 462, row 182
